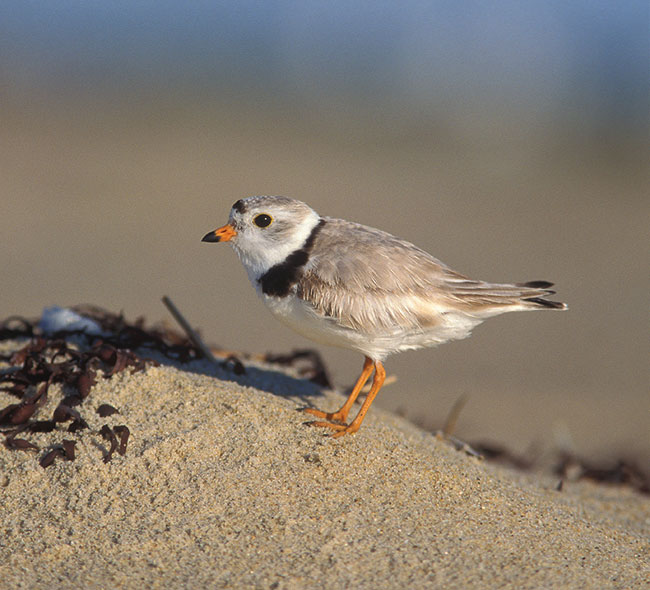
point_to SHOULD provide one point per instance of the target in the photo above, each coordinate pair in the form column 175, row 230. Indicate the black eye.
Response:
column 262, row 220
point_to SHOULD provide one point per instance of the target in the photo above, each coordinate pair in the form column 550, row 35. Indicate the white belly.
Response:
column 300, row 317
column 293, row 312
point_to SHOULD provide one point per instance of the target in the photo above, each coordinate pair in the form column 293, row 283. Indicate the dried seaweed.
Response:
column 48, row 359
column 570, row 467
column 314, row 369
column 106, row 410
column 135, row 335
column 109, row 435
column 41, row 426
column 49, row 457
column 77, row 425
column 66, row 450
column 123, row 432
column 620, row 472
column 15, row 327
column 20, row 443
column 500, row 454
column 69, row 449
column 42, row 363
column 234, row 364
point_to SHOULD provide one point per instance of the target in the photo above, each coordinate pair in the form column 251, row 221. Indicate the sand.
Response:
column 222, row 486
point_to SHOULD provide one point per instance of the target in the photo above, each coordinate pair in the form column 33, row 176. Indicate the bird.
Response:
column 344, row 284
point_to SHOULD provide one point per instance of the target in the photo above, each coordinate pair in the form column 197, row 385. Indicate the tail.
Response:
column 496, row 298
column 539, row 291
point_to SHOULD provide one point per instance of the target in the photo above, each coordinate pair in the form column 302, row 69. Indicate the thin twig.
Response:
column 191, row 333
column 446, row 434
column 452, row 417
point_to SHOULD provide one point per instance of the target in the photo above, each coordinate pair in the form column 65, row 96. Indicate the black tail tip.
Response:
column 546, row 303
column 536, row 284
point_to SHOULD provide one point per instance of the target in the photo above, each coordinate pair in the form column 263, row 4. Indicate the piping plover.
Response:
column 345, row 284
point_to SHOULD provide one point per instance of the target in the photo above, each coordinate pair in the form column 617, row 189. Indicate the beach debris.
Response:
column 231, row 361
column 62, row 349
column 15, row 327
column 452, row 418
column 48, row 458
column 500, row 454
column 307, row 361
column 123, row 432
column 622, row 471
column 63, row 319
column 191, row 333
column 106, row 410
column 69, row 449
column 111, row 434
column 20, row 443
column 66, row 451
column 73, row 348
column 41, row 426
column 234, row 364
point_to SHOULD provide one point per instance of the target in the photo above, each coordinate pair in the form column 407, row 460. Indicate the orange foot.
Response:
column 342, row 429
column 336, row 416
column 337, row 420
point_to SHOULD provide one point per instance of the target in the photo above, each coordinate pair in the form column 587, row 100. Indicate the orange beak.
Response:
column 223, row 234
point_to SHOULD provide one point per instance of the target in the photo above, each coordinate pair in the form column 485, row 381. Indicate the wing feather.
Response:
column 361, row 277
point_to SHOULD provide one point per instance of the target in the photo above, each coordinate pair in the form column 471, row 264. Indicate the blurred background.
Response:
column 510, row 140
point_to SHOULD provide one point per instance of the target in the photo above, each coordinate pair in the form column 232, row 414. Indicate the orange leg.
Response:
column 341, row 415
column 343, row 429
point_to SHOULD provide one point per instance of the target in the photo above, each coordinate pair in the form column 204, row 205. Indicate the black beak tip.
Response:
column 210, row 237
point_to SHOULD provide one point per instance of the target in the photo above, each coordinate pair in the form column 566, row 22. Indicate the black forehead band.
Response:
column 239, row 206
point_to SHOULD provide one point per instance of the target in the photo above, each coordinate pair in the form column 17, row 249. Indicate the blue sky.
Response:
column 411, row 53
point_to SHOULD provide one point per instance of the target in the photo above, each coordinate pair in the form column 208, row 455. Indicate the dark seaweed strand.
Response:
column 545, row 303
column 278, row 280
